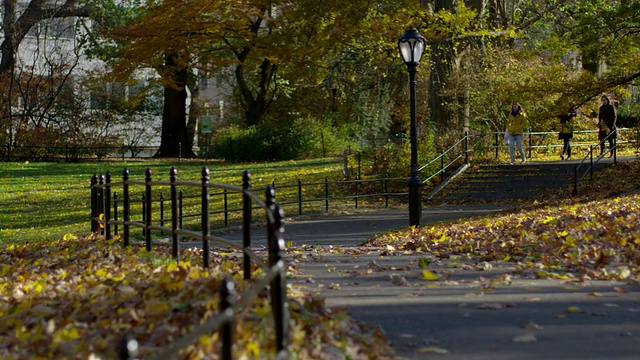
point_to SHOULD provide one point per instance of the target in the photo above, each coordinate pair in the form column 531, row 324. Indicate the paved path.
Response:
column 481, row 312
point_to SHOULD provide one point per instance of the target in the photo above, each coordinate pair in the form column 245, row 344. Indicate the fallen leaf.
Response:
column 428, row 276
column 432, row 350
column 532, row 326
column 399, row 281
column 528, row 337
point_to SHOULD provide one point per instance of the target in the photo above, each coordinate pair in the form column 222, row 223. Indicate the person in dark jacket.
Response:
column 607, row 119
column 566, row 134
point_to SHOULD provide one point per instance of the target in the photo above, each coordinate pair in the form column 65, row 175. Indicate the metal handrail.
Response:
column 577, row 179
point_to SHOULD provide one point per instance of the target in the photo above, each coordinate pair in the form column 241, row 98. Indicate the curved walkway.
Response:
column 481, row 312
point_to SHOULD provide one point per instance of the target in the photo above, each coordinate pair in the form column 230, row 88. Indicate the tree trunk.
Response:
column 174, row 138
column 442, row 56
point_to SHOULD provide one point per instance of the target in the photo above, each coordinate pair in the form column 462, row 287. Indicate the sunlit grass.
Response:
column 43, row 201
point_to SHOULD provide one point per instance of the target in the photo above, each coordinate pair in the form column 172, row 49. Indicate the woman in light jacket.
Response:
column 516, row 124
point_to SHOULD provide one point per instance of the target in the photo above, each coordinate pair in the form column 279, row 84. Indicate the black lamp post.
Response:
column 411, row 45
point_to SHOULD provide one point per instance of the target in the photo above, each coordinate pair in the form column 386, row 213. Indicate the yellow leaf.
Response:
column 68, row 237
column 101, row 273
column 253, row 349
column 429, row 276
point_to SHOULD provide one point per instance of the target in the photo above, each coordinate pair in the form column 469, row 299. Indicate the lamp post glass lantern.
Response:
column 411, row 46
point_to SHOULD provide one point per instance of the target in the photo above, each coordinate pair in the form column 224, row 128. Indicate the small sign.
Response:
column 205, row 124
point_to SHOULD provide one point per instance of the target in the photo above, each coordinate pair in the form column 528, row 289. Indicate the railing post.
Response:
column 442, row 165
column 180, row 208
column 299, row 197
column 246, row 222
column 279, row 304
column 496, row 145
column 591, row 162
column 148, row 211
column 466, row 148
column 326, row 194
column 386, row 190
column 530, row 145
column 227, row 299
column 615, row 148
column 161, row 209
column 357, row 182
column 101, row 202
column 173, row 177
column 204, row 220
column 107, row 205
column 575, row 180
column 225, row 206
column 144, row 212
column 94, row 203
column 115, row 212
column 126, row 206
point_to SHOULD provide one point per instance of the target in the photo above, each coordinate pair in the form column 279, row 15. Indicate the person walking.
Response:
column 607, row 119
column 516, row 124
column 566, row 134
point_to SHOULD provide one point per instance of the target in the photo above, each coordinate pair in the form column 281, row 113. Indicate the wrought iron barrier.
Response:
column 579, row 176
column 274, row 271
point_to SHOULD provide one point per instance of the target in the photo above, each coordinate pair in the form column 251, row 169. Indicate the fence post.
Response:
column 326, row 195
column 101, row 202
column 496, row 145
column 144, row 212
column 299, row 197
column 442, row 165
column 466, row 148
column 180, row 208
column 227, row 299
column 107, row 205
column 386, row 190
column 591, row 161
column 94, row 203
column 357, row 180
column 173, row 177
column 279, row 304
column 225, row 206
column 246, row 222
column 115, row 212
column 161, row 209
column 204, row 220
column 148, row 211
column 575, row 180
column 126, row 214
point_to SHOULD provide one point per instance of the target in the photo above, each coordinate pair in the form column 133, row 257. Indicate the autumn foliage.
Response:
column 77, row 297
column 595, row 235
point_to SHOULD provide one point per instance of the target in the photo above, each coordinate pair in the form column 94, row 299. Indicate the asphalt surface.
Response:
column 480, row 312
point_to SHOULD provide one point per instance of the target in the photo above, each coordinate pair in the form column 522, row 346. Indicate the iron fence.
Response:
column 274, row 271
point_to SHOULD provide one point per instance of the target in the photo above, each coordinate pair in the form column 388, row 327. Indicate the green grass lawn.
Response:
column 43, row 201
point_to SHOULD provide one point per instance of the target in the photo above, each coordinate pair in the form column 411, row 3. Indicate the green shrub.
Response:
column 284, row 140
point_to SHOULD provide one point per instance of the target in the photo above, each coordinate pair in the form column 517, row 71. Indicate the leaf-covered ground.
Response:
column 77, row 297
column 595, row 235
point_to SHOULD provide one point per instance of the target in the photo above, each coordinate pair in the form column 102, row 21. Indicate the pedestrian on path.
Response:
column 566, row 134
column 608, row 130
column 516, row 124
